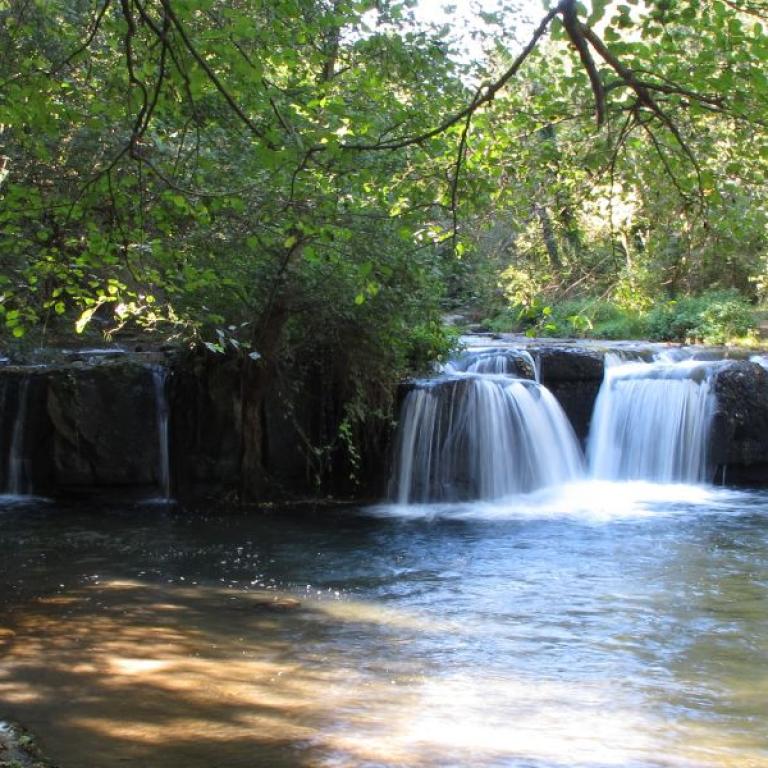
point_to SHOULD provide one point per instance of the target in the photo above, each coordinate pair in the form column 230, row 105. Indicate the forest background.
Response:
column 304, row 183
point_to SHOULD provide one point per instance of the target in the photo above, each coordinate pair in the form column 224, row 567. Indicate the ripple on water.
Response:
column 594, row 625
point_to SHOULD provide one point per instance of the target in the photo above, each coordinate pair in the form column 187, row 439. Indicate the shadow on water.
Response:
column 152, row 637
column 124, row 673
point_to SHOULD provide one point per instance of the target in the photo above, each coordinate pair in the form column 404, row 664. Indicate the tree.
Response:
column 663, row 198
column 241, row 172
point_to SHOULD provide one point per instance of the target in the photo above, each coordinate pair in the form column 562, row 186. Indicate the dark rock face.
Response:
column 25, row 430
column 560, row 364
column 739, row 436
column 79, row 427
column 91, row 425
column 104, row 425
column 574, row 377
column 205, row 424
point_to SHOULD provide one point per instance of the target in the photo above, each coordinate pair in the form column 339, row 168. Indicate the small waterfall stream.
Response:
column 16, row 475
column 479, row 432
column 159, row 379
column 514, row 362
column 652, row 420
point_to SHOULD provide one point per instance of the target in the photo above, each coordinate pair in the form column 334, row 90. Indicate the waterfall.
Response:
column 16, row 461
column 651, row 422
column 514, row 362
column 159, row 378
column 481, row 436
column 478, row 431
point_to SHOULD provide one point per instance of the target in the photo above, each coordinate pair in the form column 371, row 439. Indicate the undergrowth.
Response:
column 714, row 317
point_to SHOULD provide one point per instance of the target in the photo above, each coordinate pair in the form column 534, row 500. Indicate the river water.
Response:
column 599, row 624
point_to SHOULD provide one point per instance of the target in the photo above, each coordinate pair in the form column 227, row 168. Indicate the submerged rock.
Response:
column 18, row 748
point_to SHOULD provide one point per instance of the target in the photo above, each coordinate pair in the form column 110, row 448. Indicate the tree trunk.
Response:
column 548, row 232
column 256, row 378
column 331, row 42
column 570, row 225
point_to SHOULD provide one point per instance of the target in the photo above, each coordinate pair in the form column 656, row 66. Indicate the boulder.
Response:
column 574, row 377
column 559, row 364
column 739, row 434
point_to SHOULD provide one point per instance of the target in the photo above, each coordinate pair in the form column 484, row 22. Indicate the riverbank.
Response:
column 17, row 746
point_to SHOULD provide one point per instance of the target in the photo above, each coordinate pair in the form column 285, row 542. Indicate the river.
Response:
column 596, row 624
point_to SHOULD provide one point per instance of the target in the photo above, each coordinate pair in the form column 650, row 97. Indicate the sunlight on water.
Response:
column 598, row 625
column 485, row 720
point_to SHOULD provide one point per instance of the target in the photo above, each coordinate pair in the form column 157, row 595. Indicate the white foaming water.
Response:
column 481, row 436
column 651, row 422
column 492, row 361
column 674, row 355
column 477, row 433
column 586, row 501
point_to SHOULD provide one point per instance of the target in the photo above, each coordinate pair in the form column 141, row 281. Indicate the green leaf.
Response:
column 84, row 319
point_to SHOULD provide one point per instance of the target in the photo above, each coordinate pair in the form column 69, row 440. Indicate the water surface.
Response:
column 597, row 625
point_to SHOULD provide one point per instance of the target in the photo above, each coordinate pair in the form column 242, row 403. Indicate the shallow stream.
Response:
column 600, row 624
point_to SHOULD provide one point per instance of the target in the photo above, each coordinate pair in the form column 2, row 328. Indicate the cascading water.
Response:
column 651, row 422
column 478, row 431
column 515, row 362
column 159, row 378
column 469, row 434
column 16, row 460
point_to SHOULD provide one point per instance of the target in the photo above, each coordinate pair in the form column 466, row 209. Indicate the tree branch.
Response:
column 460, row 155
column 574, row 29
column 234, row 106
column 487, row 95
column 644, row 96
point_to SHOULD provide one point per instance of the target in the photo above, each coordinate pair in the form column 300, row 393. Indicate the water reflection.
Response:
column 532, row 635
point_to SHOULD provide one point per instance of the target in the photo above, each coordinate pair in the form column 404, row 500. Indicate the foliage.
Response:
column 304, row 179
column 163, row 164
column 667, row 198
column 714, row 318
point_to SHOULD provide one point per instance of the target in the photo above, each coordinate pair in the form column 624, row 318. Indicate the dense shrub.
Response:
column 713, row 317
